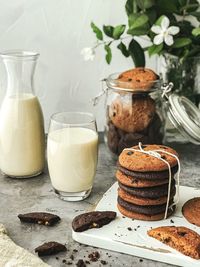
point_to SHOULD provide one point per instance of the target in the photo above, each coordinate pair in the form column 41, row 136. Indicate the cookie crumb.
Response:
column 72, row 257
column 94, row 256
column 103, row 262
column 80, row 263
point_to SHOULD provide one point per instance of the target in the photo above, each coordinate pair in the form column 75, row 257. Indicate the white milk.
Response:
column 22, row 143
column 72, row 158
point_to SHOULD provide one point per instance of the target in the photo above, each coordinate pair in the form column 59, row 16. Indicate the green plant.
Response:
column 150, row 19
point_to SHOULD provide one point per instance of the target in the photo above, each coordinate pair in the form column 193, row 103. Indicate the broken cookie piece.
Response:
column 44, row 218
column 94, row 219
column 180, row 238
column 50, row 248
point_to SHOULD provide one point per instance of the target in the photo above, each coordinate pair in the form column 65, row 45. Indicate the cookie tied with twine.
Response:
column 153, row 159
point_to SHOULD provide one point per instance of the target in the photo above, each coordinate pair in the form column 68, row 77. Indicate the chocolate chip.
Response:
column 163, row 157
column 167, row 240
column 129, row 80
column 64, row 261
column 72, row 257
column 129, row 228
column 141, row 260
column 103, row 262
column 114, row 114
column 182, row 233
column 129, row 153
column 144, row 146
column 75, row 250
column 171, row 221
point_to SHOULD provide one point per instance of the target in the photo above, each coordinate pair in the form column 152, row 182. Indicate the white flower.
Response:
column 164, row 32
column 88, row 53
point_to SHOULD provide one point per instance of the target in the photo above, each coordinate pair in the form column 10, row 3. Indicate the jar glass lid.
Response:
column 185, row 116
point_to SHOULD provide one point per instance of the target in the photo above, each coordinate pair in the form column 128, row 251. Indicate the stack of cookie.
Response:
column 143, row 183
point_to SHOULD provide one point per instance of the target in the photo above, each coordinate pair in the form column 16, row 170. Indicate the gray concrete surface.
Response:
column 35, row 194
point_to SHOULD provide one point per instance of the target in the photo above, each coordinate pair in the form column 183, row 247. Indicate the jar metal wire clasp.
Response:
column 104, row 90
column 167, row 88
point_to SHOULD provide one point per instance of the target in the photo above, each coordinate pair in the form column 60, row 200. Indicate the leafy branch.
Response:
column 142, row 15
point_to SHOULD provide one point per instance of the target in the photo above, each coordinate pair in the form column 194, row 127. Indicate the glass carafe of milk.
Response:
column 22, row 138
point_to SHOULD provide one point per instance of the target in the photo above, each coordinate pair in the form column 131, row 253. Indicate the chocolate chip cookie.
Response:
column 191, row 211
column 132, row 181
column 137, row 79
column 140, row 162
column 132, row 115
column 180, row 238
column 141, row 200
column 93, row 219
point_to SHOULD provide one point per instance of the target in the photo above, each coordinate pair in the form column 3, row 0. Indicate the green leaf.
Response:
column 181, row 42
column 167, row 6
column 137, row 53
column 138, row 24
column 97, row 31
column 152, row 15
column 108, row 30
column 182, row 2
column 108, row 53
column 196, row 31
column 145, row 4
column 195, row 51
column 155, row 49
column 118, row 31
column 139, row 31
column 130, row 7
column 196, row 14
column 191, row 7
column 137, row 20
column 132, row 18
column 123, row 49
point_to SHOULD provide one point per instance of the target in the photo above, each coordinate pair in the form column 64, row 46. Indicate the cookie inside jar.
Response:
column 134, row 112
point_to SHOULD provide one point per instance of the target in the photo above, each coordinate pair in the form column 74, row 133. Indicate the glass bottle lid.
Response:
column 185, row 116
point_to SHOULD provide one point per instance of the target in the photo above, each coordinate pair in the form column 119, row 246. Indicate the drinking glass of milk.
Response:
column 72, row 151
column 22, row 138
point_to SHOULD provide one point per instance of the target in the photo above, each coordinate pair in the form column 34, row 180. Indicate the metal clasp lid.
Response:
column 104, row 90
column 167, row 88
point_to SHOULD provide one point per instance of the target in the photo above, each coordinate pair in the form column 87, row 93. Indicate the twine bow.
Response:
column 156, row 154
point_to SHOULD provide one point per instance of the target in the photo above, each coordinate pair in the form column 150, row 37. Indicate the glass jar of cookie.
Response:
column 133, row 109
